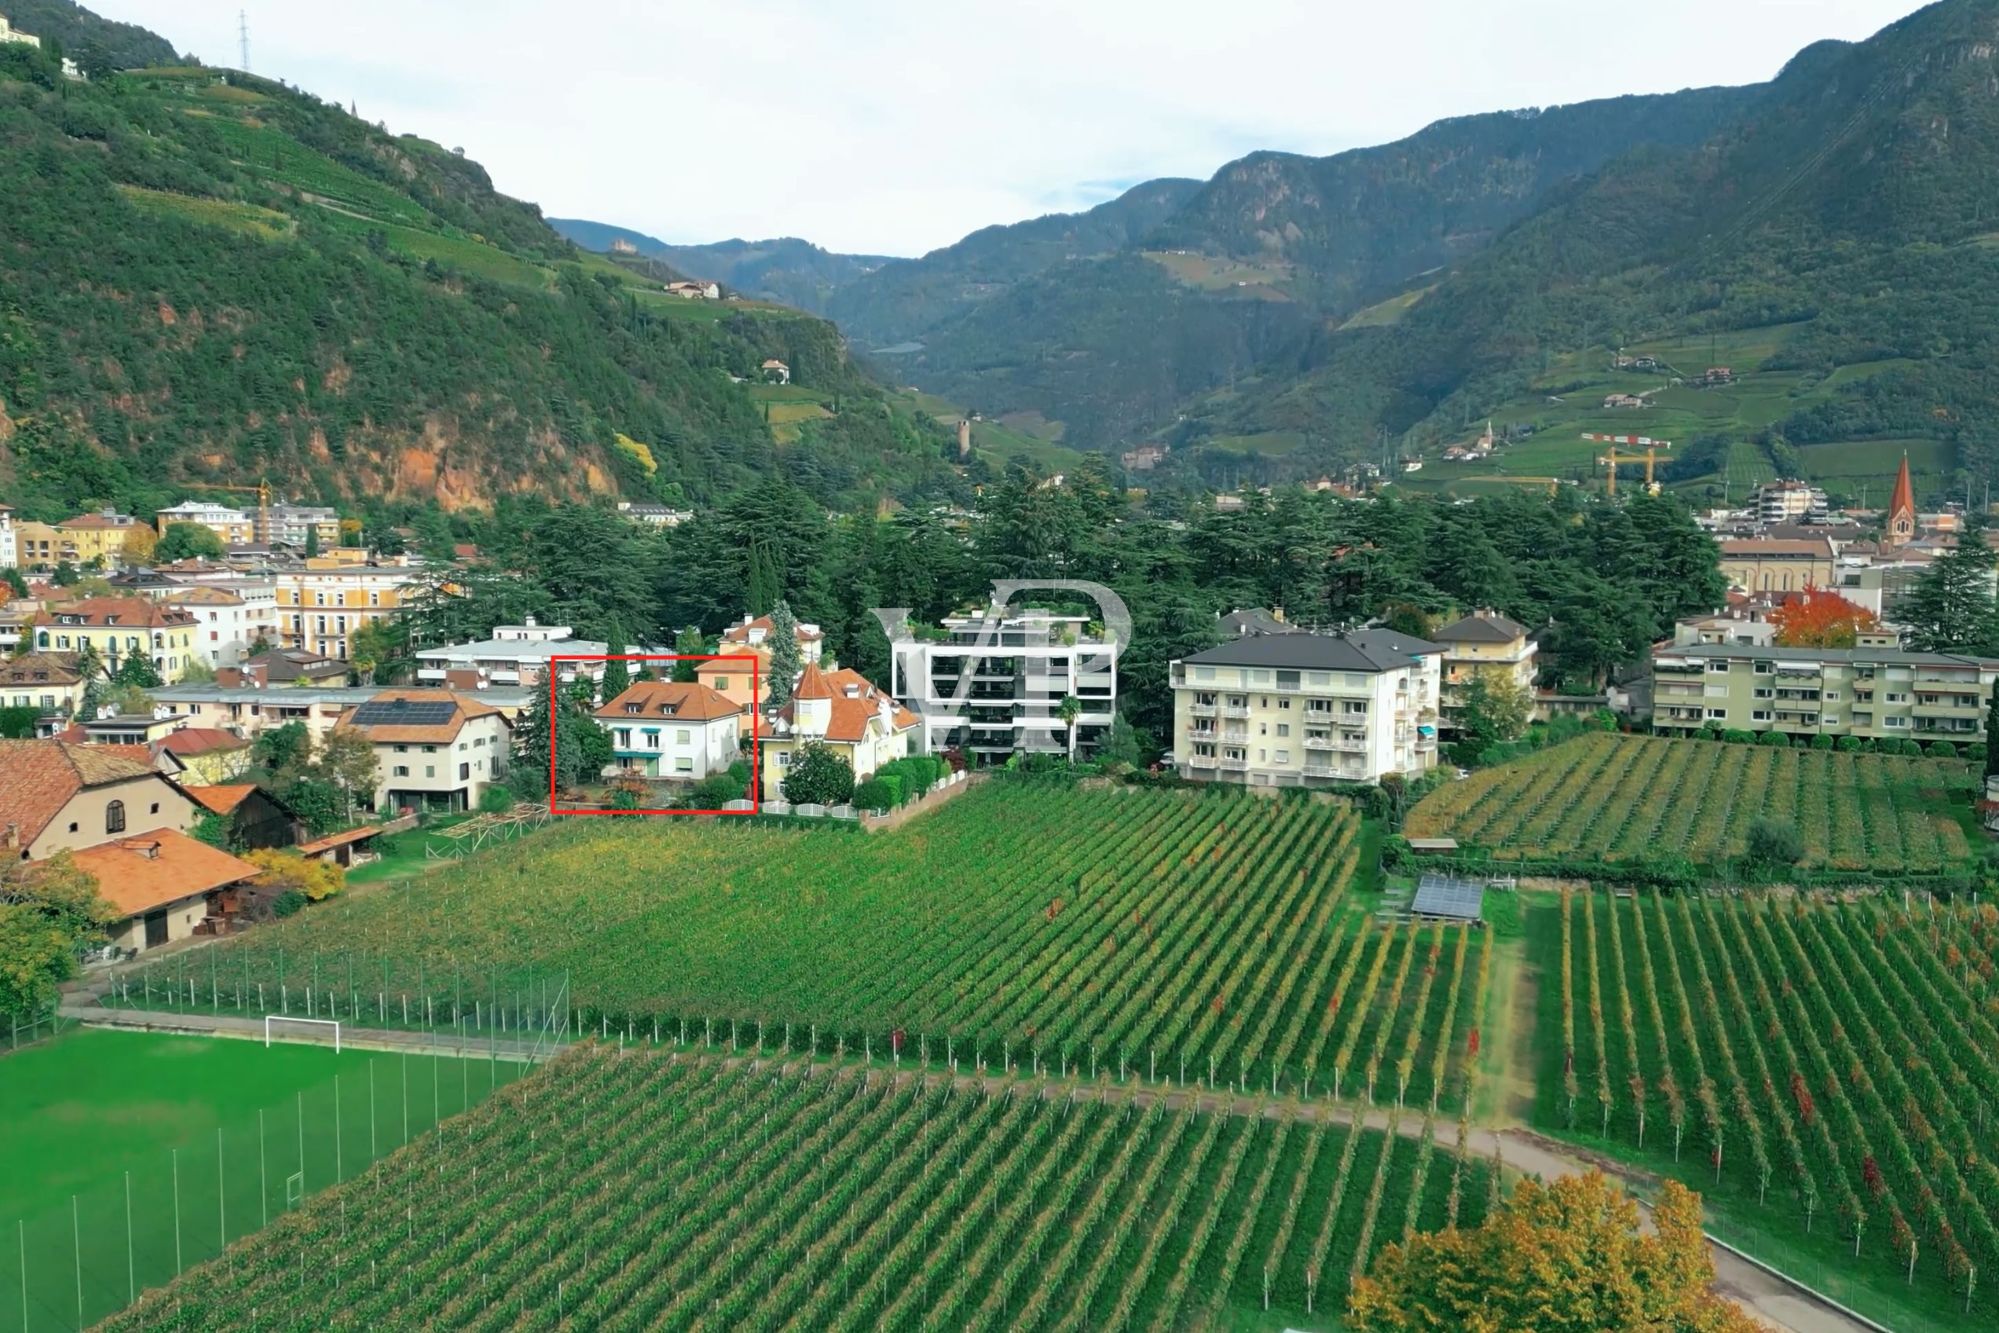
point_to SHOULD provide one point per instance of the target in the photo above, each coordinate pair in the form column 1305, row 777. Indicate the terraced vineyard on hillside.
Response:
column 1620, row 798
column 1145, row 935
column 640, row 1190
column 1829, row 1065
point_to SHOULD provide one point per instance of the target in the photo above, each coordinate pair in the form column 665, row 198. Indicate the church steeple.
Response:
column 1902, row 508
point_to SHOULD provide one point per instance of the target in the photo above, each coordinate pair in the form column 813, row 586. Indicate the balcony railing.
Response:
column 1235, row 765
column 1235, row 733
column 1200, row 710
column 1200, row 761
column 1235, row 710
column 1320, row 743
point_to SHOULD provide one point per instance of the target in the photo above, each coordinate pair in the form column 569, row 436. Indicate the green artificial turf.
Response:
column 204, row 1126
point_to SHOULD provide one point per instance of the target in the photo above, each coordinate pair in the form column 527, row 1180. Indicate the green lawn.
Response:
column 96, row 1114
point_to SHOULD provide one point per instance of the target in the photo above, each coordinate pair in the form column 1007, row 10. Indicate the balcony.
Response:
column 1236, row 711
column 1200, row 761
column 1200, row 710
column 1235, row 765
column 1949, row 685
column 1321, row 743
column 1235, row 733
column 1940, row 709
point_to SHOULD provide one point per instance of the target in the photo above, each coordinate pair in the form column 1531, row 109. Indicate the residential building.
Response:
column 292, row 525
column 119, row 627
column 751, row 638
column 515, row 655
column 1144, row 458
column 208, row 755
column 10, row 551
column 233, row 526
column 162, row 885
column 11, row 34
column 434, row 749
column 254, row 817
column 97, row 538
column 993, row 683
column 1750, row 627
column 1306, row 710
column 1870, row 692
column 36, row 545
column 1486, row 644
column 654, row 515
column 321, row 609
column 49, row 682
column 57, row 796
column 249, row 710
column 139, row 731
column 1256, row 620
column 671, row 729
column 842, row 710
column 1788, row 502
column 229, row 621
column 1775, row 564
column 776, row 371
column 696, row 291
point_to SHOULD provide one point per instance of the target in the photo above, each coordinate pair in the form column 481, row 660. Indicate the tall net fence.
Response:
column 71, row 1266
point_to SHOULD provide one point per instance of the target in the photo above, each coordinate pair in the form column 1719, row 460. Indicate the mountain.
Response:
column 1833, row 242
column 208, row 277
column 786, row 270
column 97, row 44
column 903, row 299
column 1825, row 236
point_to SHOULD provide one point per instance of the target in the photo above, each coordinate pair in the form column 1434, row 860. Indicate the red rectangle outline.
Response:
column 756, row 729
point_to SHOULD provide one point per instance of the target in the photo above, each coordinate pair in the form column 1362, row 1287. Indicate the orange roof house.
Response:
column 159, row 883
column 672, row 729
column 844, row 711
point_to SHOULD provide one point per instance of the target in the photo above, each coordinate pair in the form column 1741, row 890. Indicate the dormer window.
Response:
column 635, row 708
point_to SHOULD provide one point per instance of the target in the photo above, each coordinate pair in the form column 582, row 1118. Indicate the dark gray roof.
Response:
column 1861, row 656
column 1361, row 650
column 1482, row 627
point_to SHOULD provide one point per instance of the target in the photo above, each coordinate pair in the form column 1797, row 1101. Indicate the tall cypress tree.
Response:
column 617, row 677
column 1992, row 733
column 785, row 659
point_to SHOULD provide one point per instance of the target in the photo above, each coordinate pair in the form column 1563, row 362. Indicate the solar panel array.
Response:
column 404, row 713
column 1447, row 896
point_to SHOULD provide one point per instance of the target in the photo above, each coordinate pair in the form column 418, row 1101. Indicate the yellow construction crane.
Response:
column 262, row 490
column 1611, row 460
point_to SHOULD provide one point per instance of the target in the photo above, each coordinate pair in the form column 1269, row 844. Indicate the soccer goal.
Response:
column 333, row 1023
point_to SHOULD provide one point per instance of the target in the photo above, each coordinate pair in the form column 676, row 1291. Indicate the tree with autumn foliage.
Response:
column 1554, row 1258
column 1821, row 618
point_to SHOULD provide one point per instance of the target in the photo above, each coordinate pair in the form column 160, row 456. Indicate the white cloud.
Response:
column 895, row 126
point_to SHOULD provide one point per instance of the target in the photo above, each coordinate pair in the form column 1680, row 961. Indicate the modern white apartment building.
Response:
column 994, row 684
column 1307, row 710
column 10, row 549
column 515, row 655
column 293, row 523
column 1871, row 692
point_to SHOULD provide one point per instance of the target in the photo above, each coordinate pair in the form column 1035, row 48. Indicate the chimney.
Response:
column 1277, row 614
column 11, row 839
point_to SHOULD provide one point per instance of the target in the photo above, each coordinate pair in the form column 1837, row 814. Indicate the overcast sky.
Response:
column 896, row 126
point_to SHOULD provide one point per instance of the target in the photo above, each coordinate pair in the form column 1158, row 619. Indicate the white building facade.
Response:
column 993, row 686
column 1307, row 710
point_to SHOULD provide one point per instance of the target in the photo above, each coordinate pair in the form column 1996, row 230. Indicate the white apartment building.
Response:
column 992, row 686
column 292, row 524
column 10, row 548
column 230, row 620
column 1787, row 502
column 233, row 526
column 1306, row 710
column 515, row 655
column 434, row 750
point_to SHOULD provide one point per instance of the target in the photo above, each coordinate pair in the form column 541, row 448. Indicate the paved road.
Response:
column 1773, row 1299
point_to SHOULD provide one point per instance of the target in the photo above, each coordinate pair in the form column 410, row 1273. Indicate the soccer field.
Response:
column 130, row 1156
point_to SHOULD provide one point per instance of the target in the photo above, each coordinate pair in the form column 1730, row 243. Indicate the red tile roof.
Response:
column 740, row 633
column 688, row 701
column 135, row 612
column 38, row 778
column 191, row 741
column 223, row 798
column 149, row 870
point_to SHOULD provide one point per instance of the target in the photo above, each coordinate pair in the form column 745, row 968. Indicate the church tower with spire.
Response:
column 1902, row 509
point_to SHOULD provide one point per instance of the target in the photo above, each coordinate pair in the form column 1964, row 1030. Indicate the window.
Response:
column 1717, row 664
column 1717, row 713
column 1284, row 728
column 72, row 826
column 402, row 749
column 683, row 764
column 682, row 737
column 430, row 770
column 156, row 808
column 114, row 817
column 1765, row 668
column 1895, row 698
column 1760, row 715
column 1895, row 723
column 464, row 772
column 1832, row 696
column 402, row 770
column 1283, row 756
column 721, row 682
column 1764, row 692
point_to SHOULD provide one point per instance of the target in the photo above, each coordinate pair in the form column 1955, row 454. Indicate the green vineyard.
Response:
column 1625, row 798
column 642, row 1190
column 1159, row 936
column 1829, row 1067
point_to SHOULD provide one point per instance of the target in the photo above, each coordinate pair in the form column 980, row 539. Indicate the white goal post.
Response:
column 333, row 1023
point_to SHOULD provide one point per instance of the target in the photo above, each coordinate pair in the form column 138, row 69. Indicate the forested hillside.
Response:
column 96, row 43
column 786, row 270
column 207, row 276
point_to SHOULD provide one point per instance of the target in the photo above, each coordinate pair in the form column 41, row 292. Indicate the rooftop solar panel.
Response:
column 1445, row 896
column 403, row 713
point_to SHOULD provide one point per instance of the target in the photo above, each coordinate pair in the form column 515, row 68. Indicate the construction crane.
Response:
column 262, row 490
column 1611, row 460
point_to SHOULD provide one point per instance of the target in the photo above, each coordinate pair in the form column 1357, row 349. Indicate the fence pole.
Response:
column 24, row 1275
column 221, row 1197
column 406, row 1098
column 373, row 1152
column 263, row 1174
column 131, row 1274
column 177, row 1260
column 301, row 1149
column 76, row 1244
column 339, row 1162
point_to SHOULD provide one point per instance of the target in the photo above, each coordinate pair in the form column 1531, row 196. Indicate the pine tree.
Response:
column 616, row 677
column 766, row 588
column 1992, row 733
column 1950, row 609
column 786, row 661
